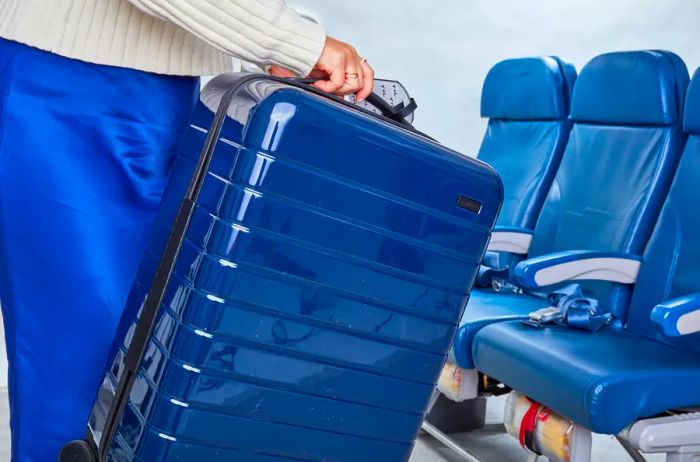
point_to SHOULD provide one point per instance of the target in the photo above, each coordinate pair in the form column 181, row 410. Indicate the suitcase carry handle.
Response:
column 393, row 115
column 398, row 113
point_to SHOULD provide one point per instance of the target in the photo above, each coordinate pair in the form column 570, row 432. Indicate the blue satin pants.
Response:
column 85, row 152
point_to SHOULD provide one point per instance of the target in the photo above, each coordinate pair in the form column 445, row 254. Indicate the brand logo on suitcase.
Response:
column 468, row 203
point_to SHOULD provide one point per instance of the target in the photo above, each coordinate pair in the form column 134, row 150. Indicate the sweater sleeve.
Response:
column 263, row 32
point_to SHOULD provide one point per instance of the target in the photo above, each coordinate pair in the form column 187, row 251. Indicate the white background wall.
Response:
column 442, row 49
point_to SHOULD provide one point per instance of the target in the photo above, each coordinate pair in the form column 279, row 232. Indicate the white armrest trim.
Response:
column 689, row 323
column 620, row 270
column 511, row 242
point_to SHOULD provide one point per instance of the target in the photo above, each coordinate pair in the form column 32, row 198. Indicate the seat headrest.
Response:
column 691, row 119
column 527, row 89
column 631, row 88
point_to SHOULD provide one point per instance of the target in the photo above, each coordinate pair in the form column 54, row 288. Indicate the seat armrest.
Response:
column 511, row 240
column 577, row 265
column 680, row 316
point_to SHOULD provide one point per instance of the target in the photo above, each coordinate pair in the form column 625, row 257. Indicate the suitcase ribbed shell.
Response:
column 317, row 291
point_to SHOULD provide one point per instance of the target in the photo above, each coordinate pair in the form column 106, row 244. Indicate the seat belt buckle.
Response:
column 503, row 286
column 545, row 315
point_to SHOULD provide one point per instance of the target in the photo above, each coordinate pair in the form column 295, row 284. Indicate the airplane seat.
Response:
column 671, row 263
column 527, row 102
column 649, row 369
column 621, row 156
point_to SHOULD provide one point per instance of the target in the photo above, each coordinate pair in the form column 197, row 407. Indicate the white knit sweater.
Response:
column 177, row 37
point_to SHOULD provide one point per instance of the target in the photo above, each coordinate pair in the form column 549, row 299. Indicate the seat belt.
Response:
column 570, row 307
column 486, row 276
column 492, row 275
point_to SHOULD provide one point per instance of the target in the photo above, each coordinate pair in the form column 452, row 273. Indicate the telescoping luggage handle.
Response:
column 80, row 451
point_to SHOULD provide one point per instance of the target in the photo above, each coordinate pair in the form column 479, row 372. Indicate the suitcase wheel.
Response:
column 78, row 451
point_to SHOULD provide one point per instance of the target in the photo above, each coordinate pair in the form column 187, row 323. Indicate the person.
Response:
column 94, row 98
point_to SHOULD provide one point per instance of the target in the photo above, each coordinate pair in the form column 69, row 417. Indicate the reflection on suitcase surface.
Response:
column 323, row 272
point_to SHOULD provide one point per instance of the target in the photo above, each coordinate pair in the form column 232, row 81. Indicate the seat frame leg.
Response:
column 631, row 450
column 457, row 417
column 451, row 444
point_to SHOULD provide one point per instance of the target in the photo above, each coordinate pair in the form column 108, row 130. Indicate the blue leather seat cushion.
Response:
column 525, row 89
column 604, row 380
column 487, row 307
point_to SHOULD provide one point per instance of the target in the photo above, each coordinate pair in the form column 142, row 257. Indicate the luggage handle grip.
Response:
column 396, row 113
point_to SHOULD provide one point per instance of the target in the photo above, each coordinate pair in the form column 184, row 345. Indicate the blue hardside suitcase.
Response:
column 298, row 303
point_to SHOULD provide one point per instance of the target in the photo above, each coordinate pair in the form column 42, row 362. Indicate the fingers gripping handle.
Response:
column 400, row 113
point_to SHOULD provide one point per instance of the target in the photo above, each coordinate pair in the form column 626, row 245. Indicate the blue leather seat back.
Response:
column 570, row 74
column 618, row 165
column 527, row 102
column 671, row 266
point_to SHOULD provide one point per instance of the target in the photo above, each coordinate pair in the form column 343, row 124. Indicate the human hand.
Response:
column 340, row 70
column 343, row 71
